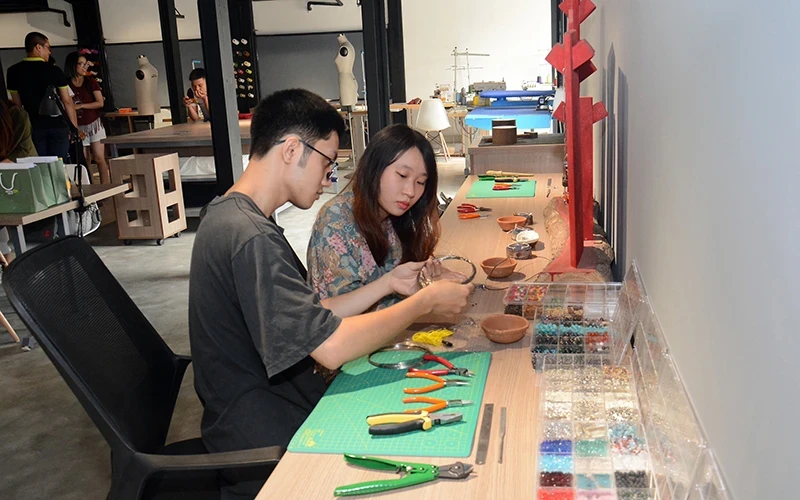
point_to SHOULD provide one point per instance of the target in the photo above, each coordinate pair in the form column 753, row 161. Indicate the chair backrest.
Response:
column 102, row 345
column 432, row 117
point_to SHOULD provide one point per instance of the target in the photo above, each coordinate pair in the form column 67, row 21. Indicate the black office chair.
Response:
column 121, row 370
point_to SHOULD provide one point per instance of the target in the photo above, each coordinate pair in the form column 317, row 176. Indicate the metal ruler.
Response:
column 502, row 433
column 486, row 430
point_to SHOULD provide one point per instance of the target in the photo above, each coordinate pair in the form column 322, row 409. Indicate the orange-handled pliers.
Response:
column 472, row 215
column 436, row 403
column 439, row 382
column 449, row 368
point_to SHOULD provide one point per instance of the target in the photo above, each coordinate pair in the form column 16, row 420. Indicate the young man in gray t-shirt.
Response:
column 256, row 328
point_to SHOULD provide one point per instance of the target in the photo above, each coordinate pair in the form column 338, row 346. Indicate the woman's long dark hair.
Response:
column 418, row 228
column 71, row 64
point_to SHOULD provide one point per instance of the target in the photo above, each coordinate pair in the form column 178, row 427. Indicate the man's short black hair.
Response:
column 293, row 111
column 33, row 39
column 197, row 74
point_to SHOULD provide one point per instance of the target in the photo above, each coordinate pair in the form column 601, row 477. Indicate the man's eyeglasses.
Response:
column 333, row 164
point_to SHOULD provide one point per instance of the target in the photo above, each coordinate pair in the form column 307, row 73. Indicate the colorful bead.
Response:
column 557, row 479
column 591, row 448
column 555, row 463
column 596, row 495
column 631, row 479
column 593, row 481
column 555, row 494
column 558, row 430
column 556, row 446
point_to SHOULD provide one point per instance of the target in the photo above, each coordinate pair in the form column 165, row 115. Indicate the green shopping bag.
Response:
column 21, row 189
column 54, row 177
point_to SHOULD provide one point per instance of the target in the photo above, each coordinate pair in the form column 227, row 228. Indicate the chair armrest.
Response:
column 258, row 457
column 183, row 358
column 181, row 362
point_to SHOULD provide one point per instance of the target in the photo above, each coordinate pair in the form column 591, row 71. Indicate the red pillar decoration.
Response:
column 573, row 59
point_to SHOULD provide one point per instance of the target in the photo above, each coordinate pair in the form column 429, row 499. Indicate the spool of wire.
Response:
column 400, row 356
column 424, row 280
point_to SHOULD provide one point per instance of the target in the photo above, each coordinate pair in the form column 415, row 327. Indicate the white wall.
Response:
column 291, row 16
column 516, row 43
column 14, row 27
column 710, row 180
column 138, row 21
column 517, row 37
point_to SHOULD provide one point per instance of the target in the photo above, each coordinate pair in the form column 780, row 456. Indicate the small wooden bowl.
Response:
column 504, row 328
column 499, row 267
column 509, row 222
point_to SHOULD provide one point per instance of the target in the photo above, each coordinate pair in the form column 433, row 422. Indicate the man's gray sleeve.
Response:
column 285, row 319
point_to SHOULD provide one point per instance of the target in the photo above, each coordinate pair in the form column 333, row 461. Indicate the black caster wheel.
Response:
column 177, row 235
column 159, row 242
column 127, row 243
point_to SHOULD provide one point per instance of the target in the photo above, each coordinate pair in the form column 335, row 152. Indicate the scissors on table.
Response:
column 411, row 474
column 468, row 208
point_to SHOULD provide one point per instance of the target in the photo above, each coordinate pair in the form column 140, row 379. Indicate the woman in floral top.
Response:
column 386, row 216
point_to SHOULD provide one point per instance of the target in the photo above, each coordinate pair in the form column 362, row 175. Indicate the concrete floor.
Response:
column 49, row 448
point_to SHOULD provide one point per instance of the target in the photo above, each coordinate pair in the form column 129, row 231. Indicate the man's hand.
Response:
column 446, row 297
column 188, row 101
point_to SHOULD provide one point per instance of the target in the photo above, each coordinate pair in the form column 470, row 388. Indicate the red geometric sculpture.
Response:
column 573, row 59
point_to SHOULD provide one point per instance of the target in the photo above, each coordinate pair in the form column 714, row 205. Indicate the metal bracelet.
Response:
column 401, row 365
column 424, row 281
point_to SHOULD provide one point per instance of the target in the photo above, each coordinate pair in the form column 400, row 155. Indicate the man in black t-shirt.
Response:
column 255, row 326
column 28, row 82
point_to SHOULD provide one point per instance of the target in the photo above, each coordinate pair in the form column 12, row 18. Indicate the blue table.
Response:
column 527, row 117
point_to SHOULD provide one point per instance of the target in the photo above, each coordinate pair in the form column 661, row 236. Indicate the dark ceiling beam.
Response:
column 215, row 32
column 376, row 64
column 172, row 59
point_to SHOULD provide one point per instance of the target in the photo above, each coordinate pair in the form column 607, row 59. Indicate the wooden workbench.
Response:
column 194, row 139
column 511, row 383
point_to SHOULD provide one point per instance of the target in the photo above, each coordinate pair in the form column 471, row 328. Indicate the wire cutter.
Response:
column 451, row 369
column 472, row 215
column 466, row 208
column 412, row 474
column 436, row 404
column 439, row 382
column 389, row 424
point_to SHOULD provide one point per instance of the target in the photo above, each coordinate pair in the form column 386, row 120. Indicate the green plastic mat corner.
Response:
column 483, row 189
column 338, row 423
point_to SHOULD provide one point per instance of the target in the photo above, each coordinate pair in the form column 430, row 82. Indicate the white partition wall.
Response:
column 702, row 139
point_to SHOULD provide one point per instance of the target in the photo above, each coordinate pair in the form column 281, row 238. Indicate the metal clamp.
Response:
column 400, row 365
column 424, row 281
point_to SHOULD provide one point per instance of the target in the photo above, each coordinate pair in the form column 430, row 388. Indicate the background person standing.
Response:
column 89, row 101
column 28, row 81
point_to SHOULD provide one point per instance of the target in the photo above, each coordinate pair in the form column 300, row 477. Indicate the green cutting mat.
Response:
column 338, row 423
column 483, row 189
